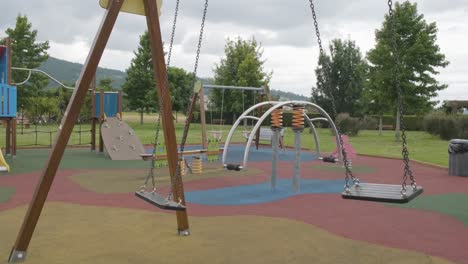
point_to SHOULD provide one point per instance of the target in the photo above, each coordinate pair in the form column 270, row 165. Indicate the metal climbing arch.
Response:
column 258, row 122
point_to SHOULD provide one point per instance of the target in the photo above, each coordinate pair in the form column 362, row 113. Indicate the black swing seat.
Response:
column 386, row 193
column 159, row 201
column 233, row 167
column 329, row 159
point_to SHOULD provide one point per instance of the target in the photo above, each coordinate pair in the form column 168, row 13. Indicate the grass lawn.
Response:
column 422, row 146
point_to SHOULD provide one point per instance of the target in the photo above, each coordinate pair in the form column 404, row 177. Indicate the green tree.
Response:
column 139, row 85
column 181, row 88
column 27, row 52
column 45, row 110
column 105, row 84
column 375, row 99
column 242, row 66
column 419, row 57
column 139, row 88
column 342, row 73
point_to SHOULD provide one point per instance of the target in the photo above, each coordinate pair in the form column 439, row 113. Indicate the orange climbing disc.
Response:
column 132, row 6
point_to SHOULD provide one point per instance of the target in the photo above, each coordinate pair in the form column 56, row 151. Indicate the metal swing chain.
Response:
column 158, row 122
column 178, row 179
column 174, row 25
column 222, row 110
column 401, row 107
column 348, row 173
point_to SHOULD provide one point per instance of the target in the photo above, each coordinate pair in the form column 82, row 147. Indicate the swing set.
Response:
column 176, row 200
column 216, row 135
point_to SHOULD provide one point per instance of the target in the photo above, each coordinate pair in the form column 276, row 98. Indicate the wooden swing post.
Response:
column 19, row 250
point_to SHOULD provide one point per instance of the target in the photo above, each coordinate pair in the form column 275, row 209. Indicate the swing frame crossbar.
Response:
column 211, row 86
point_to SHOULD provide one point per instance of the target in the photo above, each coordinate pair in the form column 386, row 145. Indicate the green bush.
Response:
column 348, row 125
column 463, row 127
column 446, row 126
column 412, row 122
column 369, row 123
column 431, row 123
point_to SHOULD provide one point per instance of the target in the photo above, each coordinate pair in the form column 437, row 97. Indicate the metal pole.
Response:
column 313, row 130
column 274, row 161
column 101, row 120
column 297, row 161
column 203, row 118
column 298, row 128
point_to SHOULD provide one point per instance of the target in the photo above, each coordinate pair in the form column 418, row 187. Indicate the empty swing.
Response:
column 152, row 196
column 218, row 134
column 389, row 193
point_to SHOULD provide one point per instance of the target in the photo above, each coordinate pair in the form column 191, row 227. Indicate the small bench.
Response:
column 25, row 125
column 387, row 127
column 265, row 134
column 218, row 121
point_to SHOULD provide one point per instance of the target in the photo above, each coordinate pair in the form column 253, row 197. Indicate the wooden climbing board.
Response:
column 120, row 141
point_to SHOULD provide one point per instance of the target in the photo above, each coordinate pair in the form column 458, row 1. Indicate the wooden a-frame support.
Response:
column 18, row 252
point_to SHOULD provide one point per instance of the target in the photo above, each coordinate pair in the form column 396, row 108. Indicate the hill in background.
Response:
column 68, row 72
column 288, row 96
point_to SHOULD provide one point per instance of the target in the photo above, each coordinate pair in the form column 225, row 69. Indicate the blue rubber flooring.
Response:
column 262, row 193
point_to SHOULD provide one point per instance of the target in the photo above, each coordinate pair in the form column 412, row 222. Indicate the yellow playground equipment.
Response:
column 4, row 167
column 132, row 6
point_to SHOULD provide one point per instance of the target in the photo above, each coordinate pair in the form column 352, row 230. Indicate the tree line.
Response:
column 364, row 85
column 360, row 84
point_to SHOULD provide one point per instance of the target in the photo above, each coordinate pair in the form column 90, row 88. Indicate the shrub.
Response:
column 431, row 123
column 463, row 127
column 369, row 123
column 348, row 125
column 446, row 126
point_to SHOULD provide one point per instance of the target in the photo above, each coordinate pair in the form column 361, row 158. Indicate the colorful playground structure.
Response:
column 8, row 102
column 116, row 137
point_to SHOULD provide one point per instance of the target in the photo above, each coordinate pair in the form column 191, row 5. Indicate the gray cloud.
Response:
column 285, row 29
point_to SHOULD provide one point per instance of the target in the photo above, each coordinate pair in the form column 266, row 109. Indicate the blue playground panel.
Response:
column 8, row 93
column 262, row 193
column 111, row 106
column 8, row 100
column 236, row 154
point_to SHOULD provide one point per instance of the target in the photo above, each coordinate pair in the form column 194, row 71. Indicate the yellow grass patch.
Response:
column 87, row 234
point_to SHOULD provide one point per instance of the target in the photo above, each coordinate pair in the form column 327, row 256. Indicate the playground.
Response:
column 92, row 215
column 224, row 198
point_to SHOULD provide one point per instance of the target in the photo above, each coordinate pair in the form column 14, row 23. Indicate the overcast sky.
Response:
column 284, row 27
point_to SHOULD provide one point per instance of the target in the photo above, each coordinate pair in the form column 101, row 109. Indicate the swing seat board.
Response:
column 159, row 201
column 386, row 193
column 149, row 156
